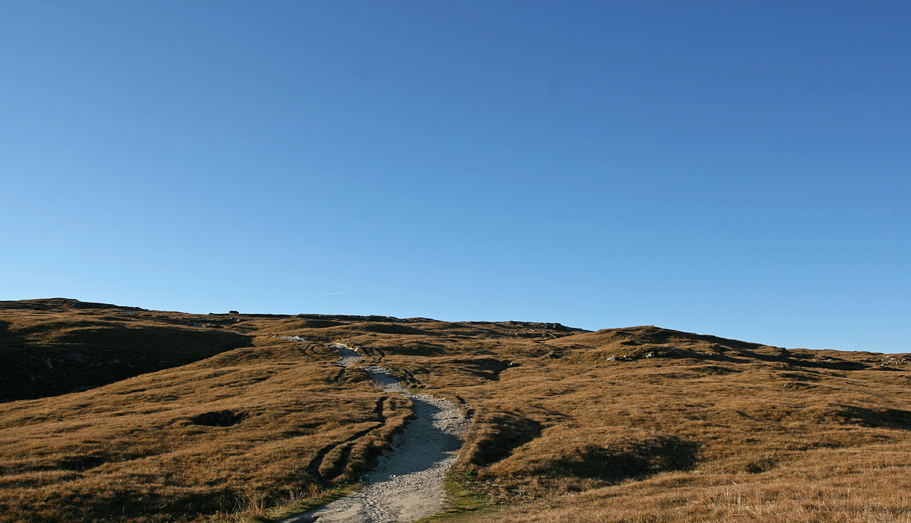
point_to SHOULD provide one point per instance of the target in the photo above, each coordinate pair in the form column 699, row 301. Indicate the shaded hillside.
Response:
column 628, row 424
column 56, row 346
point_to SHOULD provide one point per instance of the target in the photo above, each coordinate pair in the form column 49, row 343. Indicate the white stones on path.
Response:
column 407, row 483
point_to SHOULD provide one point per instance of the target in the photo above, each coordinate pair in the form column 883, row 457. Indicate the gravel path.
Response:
column 407, row 483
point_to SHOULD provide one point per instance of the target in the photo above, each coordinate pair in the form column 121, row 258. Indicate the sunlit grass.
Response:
column 637, row 424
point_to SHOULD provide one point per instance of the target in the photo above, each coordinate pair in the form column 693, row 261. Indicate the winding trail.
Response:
column 407, row 483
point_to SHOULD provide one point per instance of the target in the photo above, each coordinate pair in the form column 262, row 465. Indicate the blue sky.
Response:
column 732, row 168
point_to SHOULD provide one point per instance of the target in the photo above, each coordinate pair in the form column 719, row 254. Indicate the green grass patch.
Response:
column 461, row 499
column 301, row 506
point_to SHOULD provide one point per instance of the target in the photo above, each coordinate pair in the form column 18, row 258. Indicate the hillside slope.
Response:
column 631, row 424
column 55, row 346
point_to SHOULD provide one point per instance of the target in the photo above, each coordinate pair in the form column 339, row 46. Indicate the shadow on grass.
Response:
column 81, row 358
column 660, row 454
column 503, row 432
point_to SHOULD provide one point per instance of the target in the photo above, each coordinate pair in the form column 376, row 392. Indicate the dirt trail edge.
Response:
column 407, row 483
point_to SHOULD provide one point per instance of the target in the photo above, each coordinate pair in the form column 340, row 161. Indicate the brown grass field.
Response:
column 123, row 414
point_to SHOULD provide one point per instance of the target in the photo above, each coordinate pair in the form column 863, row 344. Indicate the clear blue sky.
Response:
column 738, row 168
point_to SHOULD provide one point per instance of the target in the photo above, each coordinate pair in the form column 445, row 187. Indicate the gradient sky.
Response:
column 737, row 168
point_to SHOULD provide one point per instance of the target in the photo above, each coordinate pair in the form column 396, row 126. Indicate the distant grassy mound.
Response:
column 55, row 346
column 629, row 424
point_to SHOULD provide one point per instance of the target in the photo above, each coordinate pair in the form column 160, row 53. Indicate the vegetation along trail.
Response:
column 407, row 483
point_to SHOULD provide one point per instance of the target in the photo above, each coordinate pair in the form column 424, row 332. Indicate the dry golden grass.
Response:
column 703, row 429
column 243, row 431
column 637, row 424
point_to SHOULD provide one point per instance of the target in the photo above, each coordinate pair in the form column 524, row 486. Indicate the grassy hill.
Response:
column 238, row 421
column 56, row 346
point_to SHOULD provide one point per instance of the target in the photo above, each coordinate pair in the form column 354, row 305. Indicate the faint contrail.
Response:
column 333, row 293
